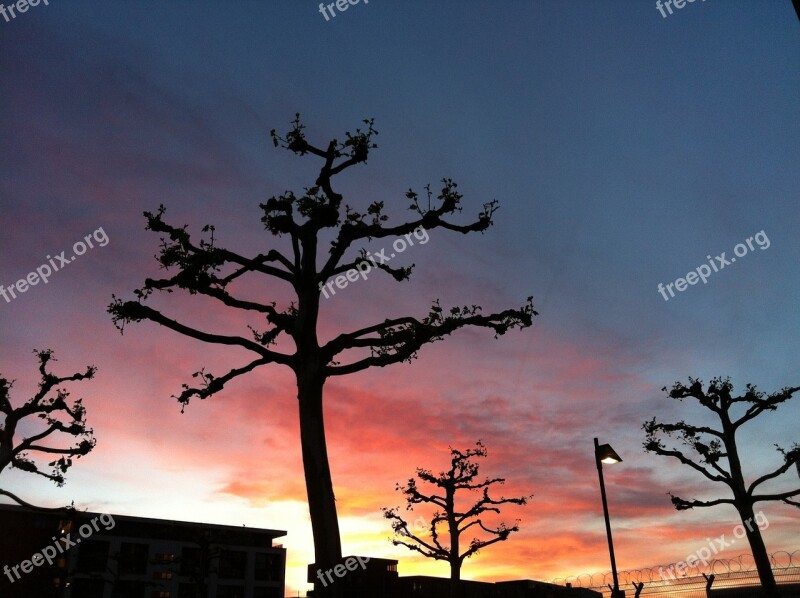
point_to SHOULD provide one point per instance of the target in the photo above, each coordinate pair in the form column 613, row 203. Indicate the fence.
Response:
column 724, row 574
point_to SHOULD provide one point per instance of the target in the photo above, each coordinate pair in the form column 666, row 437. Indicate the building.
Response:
column 94, row 555
column 366, row 577
column 423, row 586
column 378, row 578
column 529, row 588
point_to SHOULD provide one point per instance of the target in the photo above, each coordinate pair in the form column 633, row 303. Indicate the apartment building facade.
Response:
column 96, row 555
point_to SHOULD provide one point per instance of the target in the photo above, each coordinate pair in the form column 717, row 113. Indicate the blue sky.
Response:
column 623, row 148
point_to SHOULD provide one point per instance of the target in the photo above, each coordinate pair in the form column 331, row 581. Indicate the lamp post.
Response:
column 603, row 453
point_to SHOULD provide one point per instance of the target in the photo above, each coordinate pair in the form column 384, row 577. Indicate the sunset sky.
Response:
column 624, row 147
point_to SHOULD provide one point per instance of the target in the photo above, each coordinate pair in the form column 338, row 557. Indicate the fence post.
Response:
column 709, row 581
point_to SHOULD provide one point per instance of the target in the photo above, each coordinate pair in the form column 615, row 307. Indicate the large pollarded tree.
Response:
column 54, row 427
column 202, row 267
column 716, row 455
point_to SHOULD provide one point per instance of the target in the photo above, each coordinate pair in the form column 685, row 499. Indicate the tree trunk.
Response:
column 744, row 506
column 455, row 579
column 455, row 537
column 759, row 550
column 319, row 485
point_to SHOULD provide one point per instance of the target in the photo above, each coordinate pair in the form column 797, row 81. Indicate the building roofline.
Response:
column 273, row 533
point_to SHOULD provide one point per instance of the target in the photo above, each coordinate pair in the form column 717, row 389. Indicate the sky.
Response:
column 623, row 147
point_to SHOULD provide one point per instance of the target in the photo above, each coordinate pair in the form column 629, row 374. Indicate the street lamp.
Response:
column 603, row 453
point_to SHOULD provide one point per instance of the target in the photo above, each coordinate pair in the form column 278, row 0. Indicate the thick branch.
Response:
column 72, row 451
column 660, row 450
column 695, row 390
column 213, row 384
column 27, row 443
column 682, row 505
column 782, row 469
column 501, row 535
column 258, row 264
column 19, row 501
column 760, row 404
column 481, row 505
column 777, row 496
column 405, row 336
column 134, row 311
column 193, row 260
column 401, row 526
column 430, row 219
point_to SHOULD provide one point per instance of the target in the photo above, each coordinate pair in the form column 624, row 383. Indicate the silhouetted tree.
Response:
column 462, row 476
column 206, row 269
column 716, row 447
column 60, row 417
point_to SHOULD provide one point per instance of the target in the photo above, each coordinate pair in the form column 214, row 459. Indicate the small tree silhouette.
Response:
column 61, row 417
column 715, row 446
column 461, row 476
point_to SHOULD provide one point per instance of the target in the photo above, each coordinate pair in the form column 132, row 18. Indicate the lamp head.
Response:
column 607, row 455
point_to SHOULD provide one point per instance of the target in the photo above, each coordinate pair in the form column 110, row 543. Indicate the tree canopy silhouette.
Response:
column 61, row 417
column 202, row 267
column 461, row 478
column 714, row 448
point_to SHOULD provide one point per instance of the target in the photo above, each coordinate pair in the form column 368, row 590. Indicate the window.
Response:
column 164, row 558
column 64, row 526
column 268, row 567
column 133, row 558
column 160, row 594
column 93, row 556
column 232, row 564
column 163, row 575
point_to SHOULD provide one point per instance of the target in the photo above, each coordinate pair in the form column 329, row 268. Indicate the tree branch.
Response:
column 399, row 339
column 213, row 384
column 68, row 510
column 790, row 458
column 760, row 404
column 132, row 311
column 777, row 496
column 682, row 505
column 654, row 445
